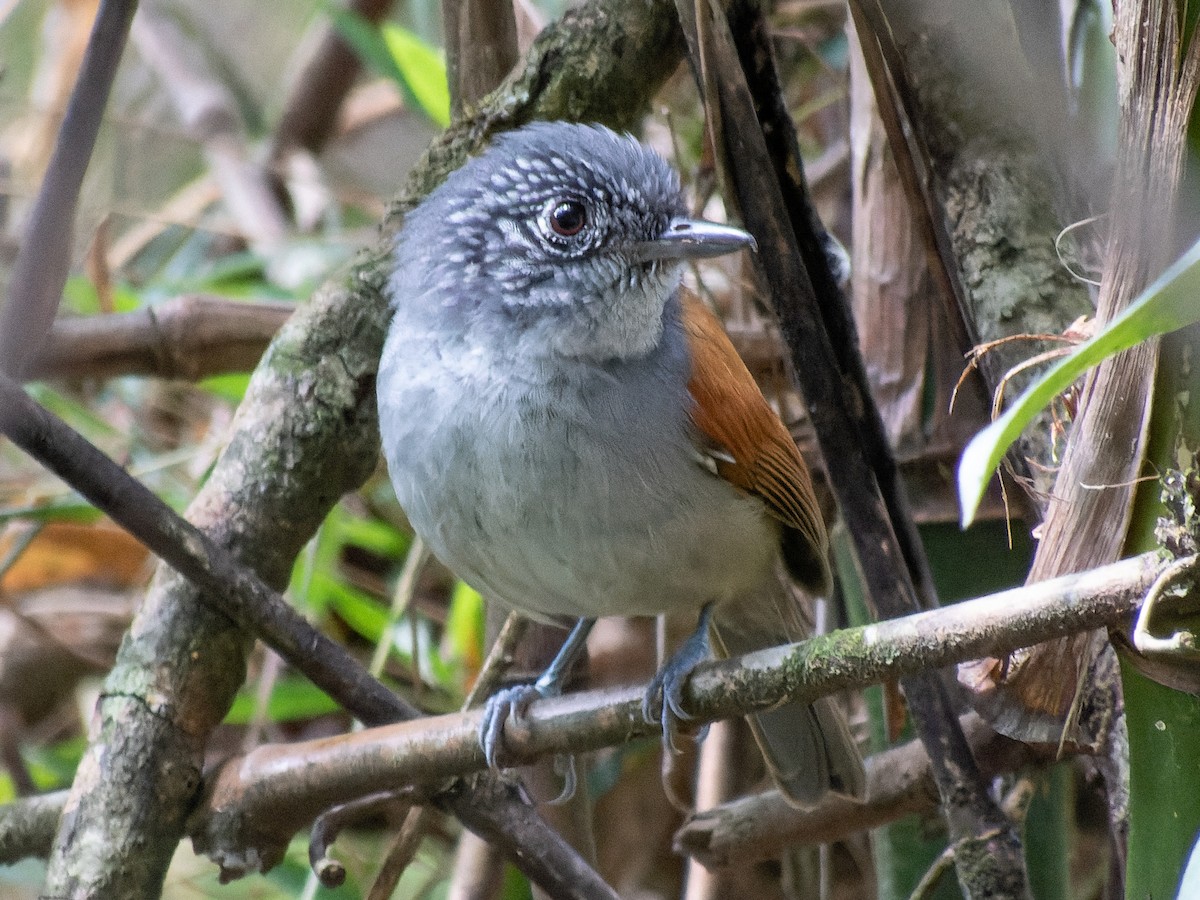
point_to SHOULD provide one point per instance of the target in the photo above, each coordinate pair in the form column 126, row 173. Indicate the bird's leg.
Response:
column 671, row 678
column 511, row 702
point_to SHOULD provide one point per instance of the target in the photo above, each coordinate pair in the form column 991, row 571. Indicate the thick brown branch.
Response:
column 188, row 337
column 194, row 336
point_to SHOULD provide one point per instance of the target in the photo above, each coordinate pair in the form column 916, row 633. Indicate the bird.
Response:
column 572, row 432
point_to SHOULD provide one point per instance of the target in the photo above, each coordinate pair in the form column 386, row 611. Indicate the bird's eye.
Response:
column 568, row 218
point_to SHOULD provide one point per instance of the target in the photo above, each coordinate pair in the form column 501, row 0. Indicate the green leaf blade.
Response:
column 422, row 70
column 1170, row 303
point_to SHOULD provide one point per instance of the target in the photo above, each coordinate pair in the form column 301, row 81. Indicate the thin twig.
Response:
column 40, row 271
column 498, row 660
column 326, row 827
column 406, row 585
column 401, row 853
column 1181, row 573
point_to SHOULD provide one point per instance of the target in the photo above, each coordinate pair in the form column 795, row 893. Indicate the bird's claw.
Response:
column 512, row 703
column 663, row 703
column 564, row 765
column 507, row 703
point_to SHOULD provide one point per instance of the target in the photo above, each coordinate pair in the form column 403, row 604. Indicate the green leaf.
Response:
column 373, row 535
column 422, row 69
column 516, row 885
column 53, row 766
column 293, row 699
column 358, row 609
column 463, row 637
column 70, row 509
column 73, row 411
column 230, row 387
column 315, row 575
column 399, row 54
column 232, row 275
column 1171, row 303
column 79, row 295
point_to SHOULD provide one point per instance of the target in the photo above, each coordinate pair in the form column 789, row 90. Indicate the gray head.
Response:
column 567, row 238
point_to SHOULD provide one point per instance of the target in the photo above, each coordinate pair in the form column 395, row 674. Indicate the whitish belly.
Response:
column 554, row 553
column 567, row 518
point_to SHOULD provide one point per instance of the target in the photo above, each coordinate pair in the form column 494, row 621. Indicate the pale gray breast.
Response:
column 576, row 493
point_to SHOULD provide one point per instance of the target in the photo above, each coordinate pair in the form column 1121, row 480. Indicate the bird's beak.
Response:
column 695, row 239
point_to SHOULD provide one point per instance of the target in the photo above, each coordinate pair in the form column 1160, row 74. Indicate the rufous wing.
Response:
column 749, row 446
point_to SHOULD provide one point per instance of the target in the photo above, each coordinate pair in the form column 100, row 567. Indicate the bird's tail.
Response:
column 807, row 747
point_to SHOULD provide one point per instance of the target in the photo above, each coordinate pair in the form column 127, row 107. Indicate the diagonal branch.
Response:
column 310, row 115
column 230, row 587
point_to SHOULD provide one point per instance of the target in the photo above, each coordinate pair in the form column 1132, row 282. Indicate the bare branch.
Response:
column 229, row 587
column 195, row 336
column 27, row 826
column 190, row 337
column 899, row 782
column 310, row 115
column 288, row 785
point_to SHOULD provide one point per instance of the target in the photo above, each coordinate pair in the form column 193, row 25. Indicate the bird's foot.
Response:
column 512, row 703
column 508, row 703
column 663, row 702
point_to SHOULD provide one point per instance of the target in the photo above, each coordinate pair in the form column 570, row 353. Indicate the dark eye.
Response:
column 568, row 218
